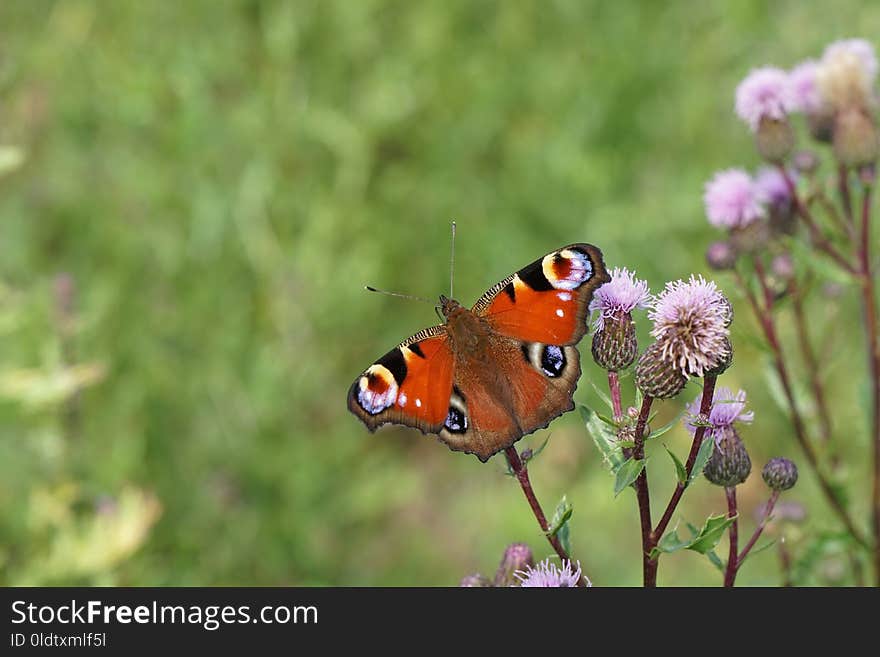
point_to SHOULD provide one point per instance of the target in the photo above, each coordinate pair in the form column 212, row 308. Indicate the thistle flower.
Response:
column 729, row 464
column 691, row 325
column 614, row 343
column 548, row 575
column 763, row 94
column 623, row 294
column 721, row 255
column 846, row 74
column 656, row 376
column 726, row 409
column 771, row 187
column 803, row 91
column 780, row 474
column 731, row 199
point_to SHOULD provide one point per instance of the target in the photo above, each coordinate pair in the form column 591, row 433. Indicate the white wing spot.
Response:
column 564, row 296
column 559, row 312
column 418, row 402
column 401, row 399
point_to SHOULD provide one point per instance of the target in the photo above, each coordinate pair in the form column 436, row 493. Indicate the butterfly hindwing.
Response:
column 528, row 386
column 548, row 300
column 410, row 385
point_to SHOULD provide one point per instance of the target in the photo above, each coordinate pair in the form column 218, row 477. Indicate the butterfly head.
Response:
column 448, row 306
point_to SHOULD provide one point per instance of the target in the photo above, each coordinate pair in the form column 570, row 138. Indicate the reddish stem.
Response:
column 732, row 561
column 614, row 387
column 819, row 240
column 649, row 566
column 768, row 509
column 522, row 475
column 870, row 319
column 705, row 407
column 765, row 319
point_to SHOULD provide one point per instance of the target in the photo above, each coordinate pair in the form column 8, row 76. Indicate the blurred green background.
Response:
column 193, row 195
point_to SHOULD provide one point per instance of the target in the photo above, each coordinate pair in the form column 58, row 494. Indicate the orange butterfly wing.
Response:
column 548, row 300
column 410, row 385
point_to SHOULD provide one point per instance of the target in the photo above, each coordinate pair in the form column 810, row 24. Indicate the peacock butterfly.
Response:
column 489, row 375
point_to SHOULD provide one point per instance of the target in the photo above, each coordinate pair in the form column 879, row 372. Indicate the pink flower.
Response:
column 763, row 94
column 805, row 97
column 771, row 187
column 731, row 199
column 623, row 294
column 847, row 73
column 691, row 323
column 726, row 409
column 548, row 575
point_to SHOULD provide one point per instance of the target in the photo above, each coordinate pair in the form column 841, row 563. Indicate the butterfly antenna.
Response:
column 400, row 295
column 452, row 264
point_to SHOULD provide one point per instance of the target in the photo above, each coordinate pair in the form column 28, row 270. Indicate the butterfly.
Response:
column 490, row 375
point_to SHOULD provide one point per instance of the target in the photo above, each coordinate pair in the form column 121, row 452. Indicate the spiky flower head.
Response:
column 622, row 294
column 548, row 575
column 729, row 465
column 517, row 557
column 771, row 186
column 614, row 343
column 691, row 321
column 732, row 200
column 846, row 74
column 656, row 376
column 780, row 474
column 763, row 94
column 726, row 409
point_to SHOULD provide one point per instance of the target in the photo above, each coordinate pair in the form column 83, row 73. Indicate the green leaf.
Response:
column 602, row 394
column 559, row 523
column 716, row 560
column 679, row 466
column 710, row 534
column 604, row 438
column 640, row 397
column 703, row 455
column 627, row 473
column 755, row 551
column 666, row 427
column 607, row 420
column 671, row 542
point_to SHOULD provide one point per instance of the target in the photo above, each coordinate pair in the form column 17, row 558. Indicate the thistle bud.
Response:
column 821, row 124
column 729, row 464
column 725, row 359
column 774, row 139
column 517, row 556
column 856, row 142
column 614, row 345
column 780, row 474
column 721, row 255
column 656, row 377
column 805, row 162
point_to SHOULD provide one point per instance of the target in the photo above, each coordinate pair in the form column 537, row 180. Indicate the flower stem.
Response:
column 649, row 566
column 819, row 240
column 733, row 532
column 522, row 475
column 873, row 347
column 765, row 319
column 768, row 509
column 614, row 387
column 812, row 366
column 705, row 407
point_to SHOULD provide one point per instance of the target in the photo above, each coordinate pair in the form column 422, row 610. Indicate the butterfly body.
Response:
column 493, row 373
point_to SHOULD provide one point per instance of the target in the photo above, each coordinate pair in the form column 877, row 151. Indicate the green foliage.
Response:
column 559, row 523
column 702, row 540
column 627, row 473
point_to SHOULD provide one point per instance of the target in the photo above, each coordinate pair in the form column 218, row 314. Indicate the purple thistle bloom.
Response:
column 771, row 187
column 805, row 97
column 691, row 325
column 860, row 49
column 731, row 199
column 726, row 409
column 548, row 575
column 623, row 294
column 764, row 93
